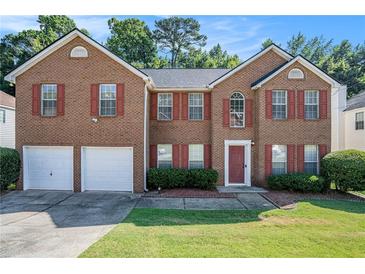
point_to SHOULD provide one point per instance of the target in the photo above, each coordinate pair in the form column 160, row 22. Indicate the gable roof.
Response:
column 257, row 84
column 273, row 47
column 357, row 101
column 11, row 76
column 7, row 100
column 184, row 78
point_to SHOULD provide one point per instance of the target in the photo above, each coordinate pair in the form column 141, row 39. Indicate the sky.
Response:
column 240, row 35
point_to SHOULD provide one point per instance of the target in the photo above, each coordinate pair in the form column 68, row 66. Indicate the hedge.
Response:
column 345, row 169
column 297, row 182
column 9, row 166
column 167, row 178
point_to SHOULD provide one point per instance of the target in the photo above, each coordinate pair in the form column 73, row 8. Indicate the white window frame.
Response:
column 356, row 121
column 295, row 70
column 202, row 106
column 158, row 106
column 111, row 115
column 317, row 158
column 202, row 155
column 286, row 158
column 158, row 160
column 3, row 120
column 235, row 112
column 305, row 104
column 286, row 103
column 42, row 99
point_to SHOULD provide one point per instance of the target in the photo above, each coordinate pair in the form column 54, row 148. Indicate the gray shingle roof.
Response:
column 357, row 101
column 184, row 78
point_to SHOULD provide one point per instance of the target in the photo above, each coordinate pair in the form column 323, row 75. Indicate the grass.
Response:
column 313, row 229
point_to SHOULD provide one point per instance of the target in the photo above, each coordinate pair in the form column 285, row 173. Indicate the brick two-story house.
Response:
column 87, row 120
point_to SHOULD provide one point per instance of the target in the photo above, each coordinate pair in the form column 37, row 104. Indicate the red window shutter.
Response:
column 153, row 156
column 36, row 99
column 120, row 99
column 207, row 106
column 94, row 100
column 175, row 155
column 248, row 112
column 300, row 113
column 323, row 104
column 185, row 106
column 322, row 150
column 153, row 107
column 226, row 112
column 207, row 156
column 60, row 99
column 184, row 156
column 268, row 104
column 291, row 107
column 268, row 160
column 290, row 156
column 300, row 158
column 176, row 110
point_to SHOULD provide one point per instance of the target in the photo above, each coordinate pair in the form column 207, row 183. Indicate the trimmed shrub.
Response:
column 297, row 182
column 9, row 166
column 345, row 169
column 167, row 178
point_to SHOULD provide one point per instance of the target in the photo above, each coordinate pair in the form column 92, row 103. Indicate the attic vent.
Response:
column 79, row 52
column 296, row 74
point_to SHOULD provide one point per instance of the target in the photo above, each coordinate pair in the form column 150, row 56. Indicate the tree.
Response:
column 267, row 42
column 15, row 49
column 296, row 44
column 131, row 39
column 178, row 34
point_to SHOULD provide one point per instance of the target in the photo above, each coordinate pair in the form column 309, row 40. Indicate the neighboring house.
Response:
column 354, row 116
column 87, row 120
column 7, row 120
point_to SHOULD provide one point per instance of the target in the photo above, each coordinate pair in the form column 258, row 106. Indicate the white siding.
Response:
column 354, row 139
column 7, row 129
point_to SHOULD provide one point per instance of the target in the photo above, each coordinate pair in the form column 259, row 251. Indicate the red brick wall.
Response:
column 75, row 127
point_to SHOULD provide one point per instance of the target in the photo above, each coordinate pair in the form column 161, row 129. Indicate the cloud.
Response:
column 10, row 24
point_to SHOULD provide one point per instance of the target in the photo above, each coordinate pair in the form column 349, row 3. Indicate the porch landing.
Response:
column 240, row 189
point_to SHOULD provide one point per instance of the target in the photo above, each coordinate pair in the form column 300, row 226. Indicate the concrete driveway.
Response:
column 58, row 223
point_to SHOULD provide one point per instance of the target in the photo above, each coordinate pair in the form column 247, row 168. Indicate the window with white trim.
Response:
column 2, row 116
column 164, row 156
column 49, row 99
column 311, row 159
column 296, row 74
column 195, row 106
column 311, row 104
column 279, row 104
column 359, row 120
column 79, row 52
column 196, row 156
column 279, row 159
column 164, row 106
column 237, row 110
column 108, row 99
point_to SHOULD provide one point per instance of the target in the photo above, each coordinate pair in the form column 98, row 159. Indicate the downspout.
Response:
column 145, row 139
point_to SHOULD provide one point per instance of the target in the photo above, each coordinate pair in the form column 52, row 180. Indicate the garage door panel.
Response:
column 107, row 168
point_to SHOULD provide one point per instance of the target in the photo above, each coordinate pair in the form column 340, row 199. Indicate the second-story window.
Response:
column 237, row 110
column 164, row 106
column 195, row 106
column 359, row 120
column 311, row 104
column 49, row 99
column 279, row 104
column 108, row 99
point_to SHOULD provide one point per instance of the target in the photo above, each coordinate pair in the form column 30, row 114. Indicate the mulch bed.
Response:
column 189, row 193
column 288, row 199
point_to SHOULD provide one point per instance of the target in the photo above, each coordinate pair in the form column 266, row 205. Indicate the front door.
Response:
column 236, row 164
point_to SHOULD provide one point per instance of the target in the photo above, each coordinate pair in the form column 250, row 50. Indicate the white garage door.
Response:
column 107, row 168
column 48, row 167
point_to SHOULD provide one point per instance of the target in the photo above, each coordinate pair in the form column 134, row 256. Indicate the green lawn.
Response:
column 313, row 229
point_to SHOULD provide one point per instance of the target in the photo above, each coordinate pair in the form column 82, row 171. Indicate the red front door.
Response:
column 236, row 164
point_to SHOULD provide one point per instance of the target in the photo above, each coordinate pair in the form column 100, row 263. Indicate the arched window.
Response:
column 296, row 74
column 79, row 52
column 237, row 110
